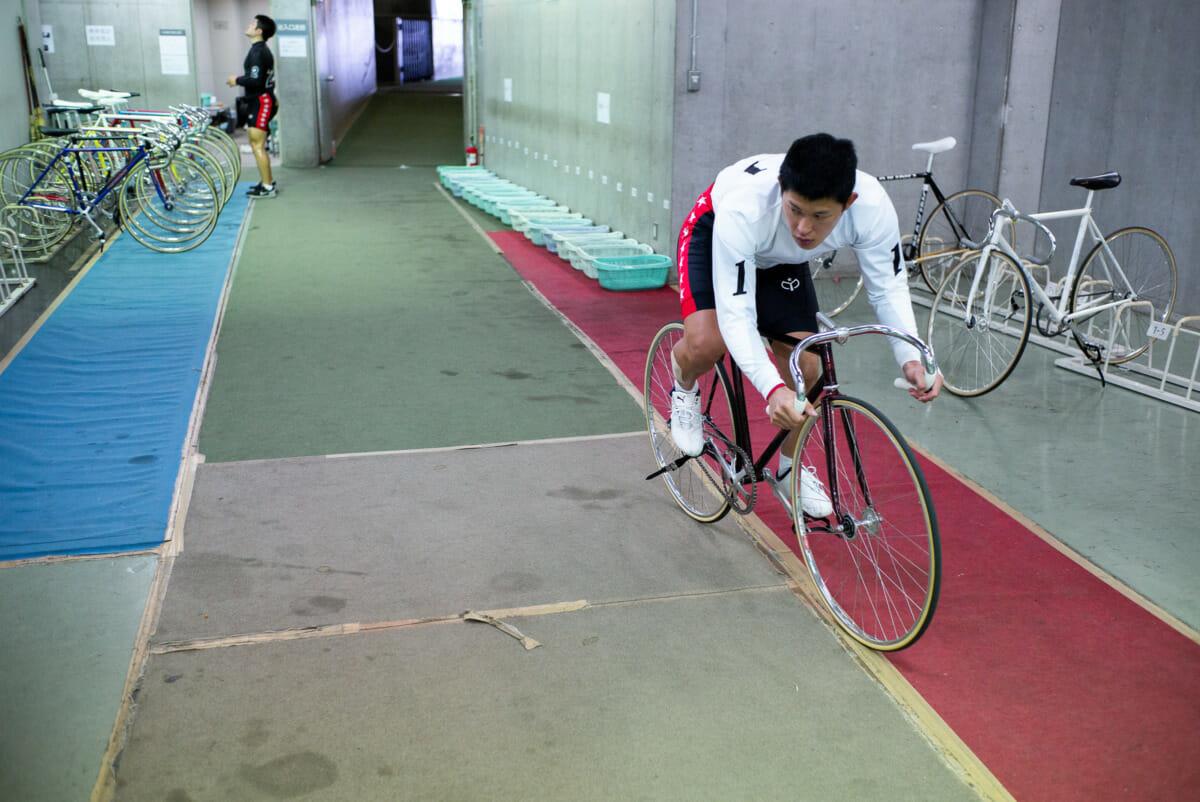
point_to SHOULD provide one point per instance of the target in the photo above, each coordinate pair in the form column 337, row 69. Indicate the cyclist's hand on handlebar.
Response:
column 914, row 373
column 781, row 409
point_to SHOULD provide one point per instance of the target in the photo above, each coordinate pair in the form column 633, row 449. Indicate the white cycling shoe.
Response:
column 813, row 498
column 687, row 424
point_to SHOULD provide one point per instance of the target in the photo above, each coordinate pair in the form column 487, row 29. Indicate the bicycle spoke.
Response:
column 878, row 569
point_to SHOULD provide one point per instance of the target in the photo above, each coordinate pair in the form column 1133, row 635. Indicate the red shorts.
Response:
column 695, row 264
column 784, row 297
column 261, row 117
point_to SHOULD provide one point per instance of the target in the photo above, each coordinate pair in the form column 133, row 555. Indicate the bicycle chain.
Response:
column 740, row 502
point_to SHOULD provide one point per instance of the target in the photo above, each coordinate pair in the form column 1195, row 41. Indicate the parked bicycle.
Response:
column 876, row 558
column 933, row 247
column 162, row 188
column 1114, row 302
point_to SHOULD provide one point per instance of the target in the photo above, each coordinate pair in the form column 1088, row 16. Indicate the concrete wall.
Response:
column 885, row 75
column 133, row 61
column 558, row 57
column 1126, row 97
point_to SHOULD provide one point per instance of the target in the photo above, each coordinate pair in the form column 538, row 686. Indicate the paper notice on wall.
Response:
column 48, row 38
column 292, row 37
column 173, row 51
column 293, row 46
column 101, row 36
column 603, row 104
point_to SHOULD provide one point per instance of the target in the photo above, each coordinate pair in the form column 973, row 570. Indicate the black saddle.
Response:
column 1102, row 181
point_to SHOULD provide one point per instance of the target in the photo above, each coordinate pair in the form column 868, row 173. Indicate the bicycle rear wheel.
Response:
column 1144, row 272
column 979, row 338
column 876, row 560
column 965, row 215
column 837, row 285
column 699, row 484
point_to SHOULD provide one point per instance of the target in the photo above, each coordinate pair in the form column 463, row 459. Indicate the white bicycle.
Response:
column 1114, row 301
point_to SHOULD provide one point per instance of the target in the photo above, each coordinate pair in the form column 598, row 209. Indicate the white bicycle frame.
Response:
column 1087, row 225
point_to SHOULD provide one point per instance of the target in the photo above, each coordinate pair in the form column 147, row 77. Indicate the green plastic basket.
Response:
column 643, row 272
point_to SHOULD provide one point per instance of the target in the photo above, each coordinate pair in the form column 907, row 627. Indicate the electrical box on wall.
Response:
column 693, row 81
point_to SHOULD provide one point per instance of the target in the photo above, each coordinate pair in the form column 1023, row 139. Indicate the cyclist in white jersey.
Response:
column 743, row 275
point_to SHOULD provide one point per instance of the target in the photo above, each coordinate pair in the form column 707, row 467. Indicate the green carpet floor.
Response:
column 356, row 291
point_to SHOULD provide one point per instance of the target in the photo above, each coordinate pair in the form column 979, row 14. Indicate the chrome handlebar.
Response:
column 831, row 333
column 1008, row 211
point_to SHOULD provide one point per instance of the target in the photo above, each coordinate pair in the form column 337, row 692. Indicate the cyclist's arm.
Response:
column 885, row 277
column 735, row 277
column 255, row 77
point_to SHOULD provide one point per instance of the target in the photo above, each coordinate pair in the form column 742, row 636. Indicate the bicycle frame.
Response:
column 822, row 393
column 828, row 388
column 83, row 203
column 1057, row 309
column 927, row 183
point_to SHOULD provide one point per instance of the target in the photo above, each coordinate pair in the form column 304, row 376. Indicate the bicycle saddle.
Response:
column 936, row 146
column 1102, row 181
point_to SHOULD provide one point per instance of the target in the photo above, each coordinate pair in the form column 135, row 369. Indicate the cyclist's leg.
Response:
column 257, row 131
column 702, row 486
column 701, row 345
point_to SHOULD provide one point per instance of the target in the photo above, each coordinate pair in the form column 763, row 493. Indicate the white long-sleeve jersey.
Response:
column 750, row 230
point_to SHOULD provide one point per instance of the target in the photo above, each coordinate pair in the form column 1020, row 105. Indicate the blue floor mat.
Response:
column 94, row 410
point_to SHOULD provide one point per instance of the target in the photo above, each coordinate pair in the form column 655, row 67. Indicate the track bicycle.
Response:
column 876, row 560
column 1114, row 302
column 935, row 243
column 166, row 204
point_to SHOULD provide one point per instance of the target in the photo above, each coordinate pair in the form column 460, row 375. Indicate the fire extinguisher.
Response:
column 472, row 154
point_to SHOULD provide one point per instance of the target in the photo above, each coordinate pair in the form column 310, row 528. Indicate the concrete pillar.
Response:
column 1026, row 111
column 294, row 47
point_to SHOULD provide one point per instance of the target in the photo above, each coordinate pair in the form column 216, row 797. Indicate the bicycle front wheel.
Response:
column 979, row 336
column 699, row 485
column 1135, row 265
column 876, row 560
column 169, row 209
column 963, row 216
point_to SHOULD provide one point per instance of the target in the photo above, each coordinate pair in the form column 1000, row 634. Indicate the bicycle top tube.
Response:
column 841, row 335
column 1008, row 211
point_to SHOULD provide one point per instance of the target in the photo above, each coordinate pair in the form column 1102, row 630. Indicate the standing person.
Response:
column 743, row 275
column 259, row 83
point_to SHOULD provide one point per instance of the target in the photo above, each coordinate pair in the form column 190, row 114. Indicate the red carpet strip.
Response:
column 1063, row 687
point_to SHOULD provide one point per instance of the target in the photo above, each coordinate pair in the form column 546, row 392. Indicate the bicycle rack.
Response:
column 1151, row 373
column 15, row 281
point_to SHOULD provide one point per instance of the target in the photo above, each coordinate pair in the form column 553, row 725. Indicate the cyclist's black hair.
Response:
column 266, row 26
column 819, row 166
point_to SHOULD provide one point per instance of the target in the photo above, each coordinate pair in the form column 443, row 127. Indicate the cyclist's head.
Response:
column 817, row 183
column 819, row 166
column 266, row 26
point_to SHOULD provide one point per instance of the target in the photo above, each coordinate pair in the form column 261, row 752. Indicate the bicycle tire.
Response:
column 32, row 167
column 191, row 217
column 963, row 215
column 698, row 485
column 978, row 352
column 231, row 166
column 215, row 136
column 836, row 287
column 878, row 566
column 205, row 160
column 1149, row 272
